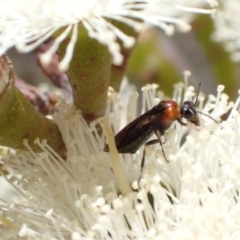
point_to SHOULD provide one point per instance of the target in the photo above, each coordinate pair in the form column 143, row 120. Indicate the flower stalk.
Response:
column 89, row 75
column 19, row 119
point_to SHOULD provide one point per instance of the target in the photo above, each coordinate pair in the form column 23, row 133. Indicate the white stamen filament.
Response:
column 26, row 28
column 80, row 197
column 116, row 164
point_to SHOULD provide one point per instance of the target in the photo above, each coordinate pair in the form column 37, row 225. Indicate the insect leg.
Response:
column 158, row 134
column 188, row 124
column 151, row 142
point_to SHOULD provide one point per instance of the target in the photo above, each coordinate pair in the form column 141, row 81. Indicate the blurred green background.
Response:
column 161, row 59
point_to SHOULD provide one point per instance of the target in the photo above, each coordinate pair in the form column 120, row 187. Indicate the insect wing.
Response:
column 137, row 132
column 133, row 130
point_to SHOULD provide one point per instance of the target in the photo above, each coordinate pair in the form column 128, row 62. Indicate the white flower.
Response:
column 80, row 198
column 227, row 23
column 26, row 24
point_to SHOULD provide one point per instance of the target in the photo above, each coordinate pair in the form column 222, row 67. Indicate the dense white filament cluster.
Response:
column 194, row 196
column 226, row 30
column 25, row 24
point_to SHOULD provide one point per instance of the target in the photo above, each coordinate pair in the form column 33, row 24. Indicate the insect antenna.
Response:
column 208, row 116
column 197, row 96
column 199, row 87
